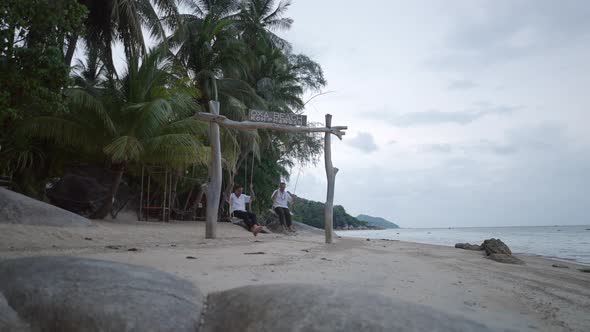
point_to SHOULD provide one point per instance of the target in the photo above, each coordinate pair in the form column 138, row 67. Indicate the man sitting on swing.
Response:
column 237, row 205
column 280, row 204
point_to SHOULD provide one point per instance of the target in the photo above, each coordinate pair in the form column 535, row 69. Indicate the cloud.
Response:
column 437, row 148
column 364, row 142
column 461, row 85
column 543, row 182
column 501, row 31
column 434, row 117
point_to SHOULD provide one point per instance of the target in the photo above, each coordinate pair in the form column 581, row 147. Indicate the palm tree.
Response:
column 258, row 20
column 123, row 20
column 142, row 117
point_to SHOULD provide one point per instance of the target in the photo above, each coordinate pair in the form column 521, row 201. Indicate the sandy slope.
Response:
column 535, row 297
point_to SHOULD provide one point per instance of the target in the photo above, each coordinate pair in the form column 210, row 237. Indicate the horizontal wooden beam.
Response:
column 223, row 121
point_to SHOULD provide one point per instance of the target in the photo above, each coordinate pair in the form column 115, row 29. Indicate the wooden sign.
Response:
column 288, row 119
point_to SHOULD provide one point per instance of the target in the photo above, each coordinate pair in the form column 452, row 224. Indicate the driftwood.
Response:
column 338, row 131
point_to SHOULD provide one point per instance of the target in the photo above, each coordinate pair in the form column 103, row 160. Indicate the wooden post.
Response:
column 164, row 199
column 214, row 187
column 147, row 216
column 141, row 194
column 331, row 174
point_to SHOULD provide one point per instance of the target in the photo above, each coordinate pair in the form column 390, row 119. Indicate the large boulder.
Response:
column 495, row 246
column 315, row 308
column 75, row 294
column 79, row 194
column 9, row 320
column 20, row 209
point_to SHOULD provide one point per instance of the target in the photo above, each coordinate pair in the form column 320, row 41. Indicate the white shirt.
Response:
column 238, row 203
column 282, row 199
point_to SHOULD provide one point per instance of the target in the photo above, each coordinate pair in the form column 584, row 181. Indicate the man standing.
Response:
column 280, row 204
column 237, row 206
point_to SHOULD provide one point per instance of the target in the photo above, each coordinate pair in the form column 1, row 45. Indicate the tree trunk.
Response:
column 72, row 41
column 107, row 203
column 173, row 186
column 215, row 176
column 331, row 175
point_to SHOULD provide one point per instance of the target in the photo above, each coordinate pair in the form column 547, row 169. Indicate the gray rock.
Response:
column 560, row 266
column 75, row 294
column 507, row 259
column 20, row 209
column 315, row 308
column 468, row 246
column 495, row 246
column 9, row 320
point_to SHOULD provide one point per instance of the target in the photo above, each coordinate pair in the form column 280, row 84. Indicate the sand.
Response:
column 533, row 297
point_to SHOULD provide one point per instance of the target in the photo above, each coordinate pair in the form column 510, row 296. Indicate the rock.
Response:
column 495, row 246
column 20, row 209
column 79, row 194
column 560, row 266
column 468, row 246
column 77, row 294
column 507, row 259
column 585, row 270
column 312, row 308
column 9, row 320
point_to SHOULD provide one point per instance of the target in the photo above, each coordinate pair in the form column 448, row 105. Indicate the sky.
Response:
column 460, row 113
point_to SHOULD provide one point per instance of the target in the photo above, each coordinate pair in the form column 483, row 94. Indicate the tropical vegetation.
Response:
column 82, row 83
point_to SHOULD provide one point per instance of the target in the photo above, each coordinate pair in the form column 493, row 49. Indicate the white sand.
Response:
column 534, row 297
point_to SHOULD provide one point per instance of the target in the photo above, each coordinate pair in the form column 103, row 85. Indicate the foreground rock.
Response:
column 9, row 320
column 20, row 209
column 314, row 308
column 74, row 294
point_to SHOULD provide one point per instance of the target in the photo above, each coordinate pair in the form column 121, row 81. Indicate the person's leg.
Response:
column 245, row 217
column 281, row 215
column 252, row 217
column 287, row 214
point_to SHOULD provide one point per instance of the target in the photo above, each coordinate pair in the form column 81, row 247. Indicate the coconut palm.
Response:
column 258, row 20
column 142, row 117
column 122, row 20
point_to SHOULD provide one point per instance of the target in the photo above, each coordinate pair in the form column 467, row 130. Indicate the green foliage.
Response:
column 52, row 115
column 312, row 213
column 32, row 77
column 376, row 221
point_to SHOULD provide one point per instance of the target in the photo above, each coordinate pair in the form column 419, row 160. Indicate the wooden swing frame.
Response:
column 215, row 171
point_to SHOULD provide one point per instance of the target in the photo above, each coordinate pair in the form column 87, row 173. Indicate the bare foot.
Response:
column 292, row 229
column 256, row 230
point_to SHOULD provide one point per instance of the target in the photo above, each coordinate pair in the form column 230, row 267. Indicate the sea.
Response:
column 571, row 243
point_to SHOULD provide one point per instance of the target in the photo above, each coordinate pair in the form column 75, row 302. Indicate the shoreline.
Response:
column 531, row 297
column 557, row 259
column 515, row 241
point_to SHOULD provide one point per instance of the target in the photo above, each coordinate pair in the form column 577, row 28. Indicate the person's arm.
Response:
column 289, row 197
column 274, row 195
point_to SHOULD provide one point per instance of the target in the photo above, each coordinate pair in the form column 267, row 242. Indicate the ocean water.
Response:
column 560, row 242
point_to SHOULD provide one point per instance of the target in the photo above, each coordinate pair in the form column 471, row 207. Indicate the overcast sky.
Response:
column 460, row 113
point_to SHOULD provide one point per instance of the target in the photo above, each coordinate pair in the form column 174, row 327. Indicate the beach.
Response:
column 531, row 297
